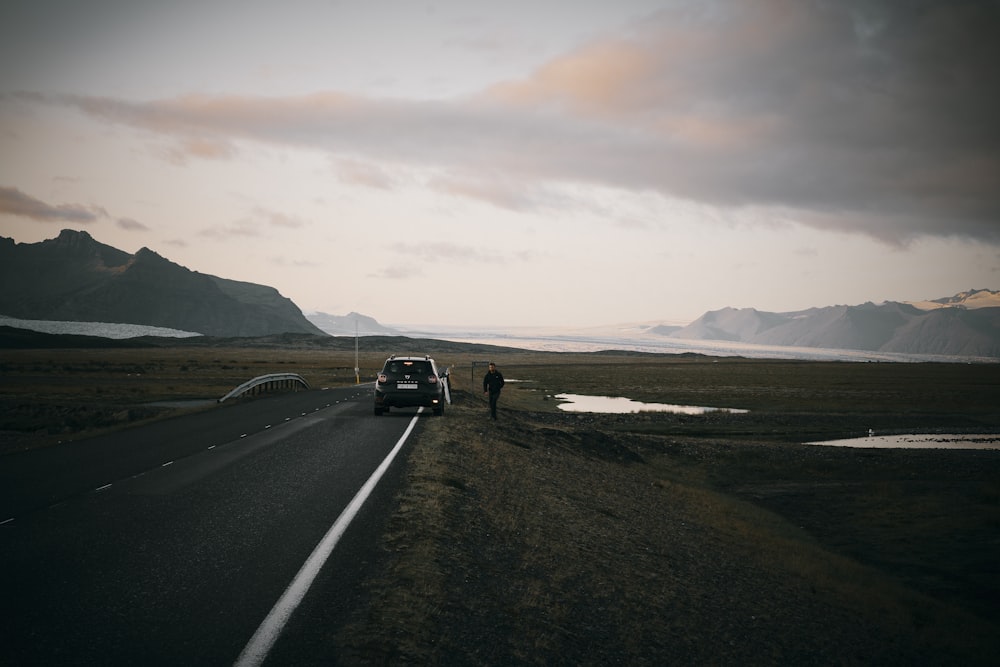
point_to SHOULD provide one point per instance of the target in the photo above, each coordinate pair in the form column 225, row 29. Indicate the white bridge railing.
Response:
column 267, row 382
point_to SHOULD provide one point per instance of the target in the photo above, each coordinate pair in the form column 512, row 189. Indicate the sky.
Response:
column 568, row 163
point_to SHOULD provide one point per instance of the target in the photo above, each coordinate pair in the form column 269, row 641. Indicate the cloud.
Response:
column 397, row 273
column 276, row 219
column 255, row 225
column 131, row 225
column 241, row 228
column 828, row 109
column 432, row 252
column 491, row 188
column 199, row 147
column 15, row 202
column 284, row 262
column 864, row 117
column 368, row 174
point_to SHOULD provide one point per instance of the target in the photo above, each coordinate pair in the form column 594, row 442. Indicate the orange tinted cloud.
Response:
column 887, row 113
column 600, row 80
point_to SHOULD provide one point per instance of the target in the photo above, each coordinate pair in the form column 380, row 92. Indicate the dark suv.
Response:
column 407, row 382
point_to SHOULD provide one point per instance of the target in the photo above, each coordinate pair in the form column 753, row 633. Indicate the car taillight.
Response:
column 382, row 377
column 432, row 379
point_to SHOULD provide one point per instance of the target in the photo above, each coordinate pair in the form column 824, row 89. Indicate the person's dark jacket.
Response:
column 493, row 382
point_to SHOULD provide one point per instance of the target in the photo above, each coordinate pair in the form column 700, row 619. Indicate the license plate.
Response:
column 406, row 385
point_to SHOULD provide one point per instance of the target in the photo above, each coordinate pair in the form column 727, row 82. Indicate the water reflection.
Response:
column 919, row 441
column 622, row 405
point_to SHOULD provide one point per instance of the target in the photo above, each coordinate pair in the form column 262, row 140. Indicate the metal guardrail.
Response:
column 267, row 382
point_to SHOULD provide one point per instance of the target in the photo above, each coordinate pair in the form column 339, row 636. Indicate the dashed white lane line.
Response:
column 263, row 639
column 163, row 465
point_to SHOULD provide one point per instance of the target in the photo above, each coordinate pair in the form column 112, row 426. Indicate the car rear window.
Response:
column 409, row 367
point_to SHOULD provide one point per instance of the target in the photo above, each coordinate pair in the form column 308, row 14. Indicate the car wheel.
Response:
column 378, row 412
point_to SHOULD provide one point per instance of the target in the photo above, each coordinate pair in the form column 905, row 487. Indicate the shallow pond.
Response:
column 622, row 405
column 919, row 441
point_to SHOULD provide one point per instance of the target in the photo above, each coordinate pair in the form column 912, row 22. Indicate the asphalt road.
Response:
column 171, row 543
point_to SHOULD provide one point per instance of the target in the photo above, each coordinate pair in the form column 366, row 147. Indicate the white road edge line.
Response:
column 267, row 633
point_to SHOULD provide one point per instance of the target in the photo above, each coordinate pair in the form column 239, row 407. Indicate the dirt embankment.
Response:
column 562, row 539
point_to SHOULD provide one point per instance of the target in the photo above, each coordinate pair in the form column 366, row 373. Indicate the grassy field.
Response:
column 48, row 395
column 556, row 538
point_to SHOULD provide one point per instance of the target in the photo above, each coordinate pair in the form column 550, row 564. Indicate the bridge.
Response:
column 263, row 383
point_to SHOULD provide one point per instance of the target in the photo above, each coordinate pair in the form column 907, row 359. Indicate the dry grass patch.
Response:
column 532, row 541
column 49, row 395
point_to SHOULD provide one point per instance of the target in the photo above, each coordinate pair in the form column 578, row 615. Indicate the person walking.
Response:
column 492, row 384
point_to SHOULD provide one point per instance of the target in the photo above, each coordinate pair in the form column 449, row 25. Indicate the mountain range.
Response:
column 75, row 278
column 967, row 324
column 350, row 324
